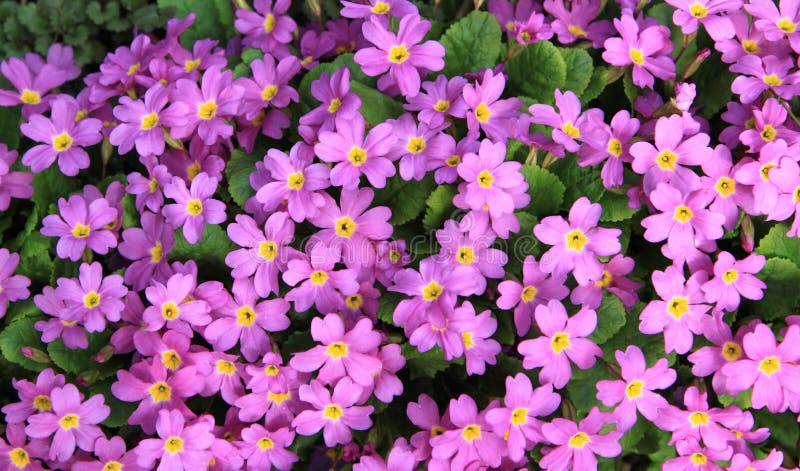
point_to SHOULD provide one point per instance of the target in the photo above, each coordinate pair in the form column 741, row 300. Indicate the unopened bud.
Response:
column 314, row 7
column 614, row 74
column 106, row 151
column 241, row 5
column 35, row 354
column 172, row 142
column 87, row 378
column 695, row 63
column 104, row 354
column 747, row 234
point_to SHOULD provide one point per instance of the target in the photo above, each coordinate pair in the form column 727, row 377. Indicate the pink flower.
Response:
column 610, row 144
column 568, row 122
column 757, row 75
column 147, row 247
column 12, row 287
column 263, row 448
column 442, row 99
column 83, row 225
column 562, row 341
column 647, row 50
column 172, row 306
column 72, row 422
column 178, row 446
column 700, row 422
column 333, row 90
column 710, row 13
column 319, row 284
column 34, row 397
column 335, row 414
column 491, row 182
column 487, row 112
column 578, row 22
column 194, row 206
column 471, row 440
column 12, row 184
column 776, row 22
column 268, row 27
column 614, row 281
column 141, row 121
column 577, row 444
column 475, row 331
column 92, row 299
column 269, row 85
column 734, row 278
column 208, row 106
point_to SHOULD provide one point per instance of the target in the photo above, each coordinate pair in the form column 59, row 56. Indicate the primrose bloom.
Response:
column 18, row 454
column 262, row 448
column 647, row 50
column 208, row 106
column 577, row 243
column 378, row 9
column 700, row 422
column 83, row 225
column 269, row 85
column 12, row 287
column 734, row 278
column 352, row 354
column 635, row 390
column 776, row 21
column 268, row 27
column 471, row 439
column 770, row 370
column 568, row 122
column 335, row 414
column 62, row 138
column 333, row 90
column 34, row 397
column 710, row 13
column 492, row 183
column 319, row 284
column 577, row 444
column 563, row 340
column 417, row 146
column 91, row 299
column 442, row 98
column 143, row 123
column 758, row 75
column 31, row 86
column 486, row 111
column 71, row 421
column 178, row 446
column 401, row 55
column 194, row 206
column 147, row 248
column 578, row 22
column 12, row 184
column 172, row 306
column 612, row 145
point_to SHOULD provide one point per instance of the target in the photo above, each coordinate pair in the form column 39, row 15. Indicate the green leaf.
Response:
column 78, row 360
column 582, row 387
column 471, row 44
column 546, row 190
column 388, row 302
column 424, row 365
column 521, row 244
column 783, row 427
column 631, row 90
column 713, row 81
column 615, row 207
column 209, row 252
column 611, row 316
column 781, row 296
column 214, row 18
column 120, row 411
column 375, row 106
column 21, row 333
column 49, row 186
column 596, row 85
column 579, row 181
column 579, row 69
column 237, row 172
column 537, row 71
column 742, row 399
column 439, row 207
column 9, row 126
column 406, row 198
column 34, row 257
column 777, row 244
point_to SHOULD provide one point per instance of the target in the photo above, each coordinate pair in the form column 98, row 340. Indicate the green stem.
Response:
column 788, row 110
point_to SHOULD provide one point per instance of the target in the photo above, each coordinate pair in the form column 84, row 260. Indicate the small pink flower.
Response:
column 335, row 414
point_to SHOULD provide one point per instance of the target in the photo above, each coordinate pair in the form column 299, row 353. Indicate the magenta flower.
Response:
column 699, row 422
column 321, row 286
column 155, row 388
column 787, row 179
column 734, row 278
column 378, row 9
column 442, row 98
column 193, row 206
column 92, row 299
column 333, row 90
column 425, row 415
column 729, row 196
column 459, row 246
column 486, row 111
column 334, row 414
column 536, row 288
column 647, row 50
column 712, row 14
column 491, row 182
column 352, row 354
column 401, row 55
column 610, row 144
column 758, row 75
column 577, row 243
column 147, row 247
column 148, row 190
column 770, row 370
column 72, row 422
column 578, row 22
column 295, row 180
column 141, row 121
column 267, row 28
column 12, row 184
column 742, row 462
column 269, row 85
column 172, row 306
column 614, row 281
column 635, row 390
column 12, row 287
column 562, row 341
column 724, row 348
column 178, row 446
column 777, row 22
column 62, row 138
column 568, row 122
column 247, row 321
column 31, row 86
column 354, row 154
column 112, row 455
column 34, row 397
column 577, row 444
column 83, row 225
column 208, row 106
column 417, row 146
column 18, row 454
column 262, row 448
column 523, row 404
column 387, row 384
column 692, row 456
column 446, row 165
column 767, row 126
column 471, row 439
column 72, row 334
column 475, row 331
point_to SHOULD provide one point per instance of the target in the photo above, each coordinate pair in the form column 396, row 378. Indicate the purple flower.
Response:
column 178, row 446
column 263, row 448
column 647, row 50
column 18, row 454
column 700, row 422
column 767, row 126
column 401, row 55
column 34, row 397
column 335, row 414
column 486, row 111
column 417, row 146
column 172, row 306
column 475, row 331
column 32, row 86
column 578, row 22
column 577, row 243
column 729, row 196
column 148, row 190
column 776, row 22
column 193, row 206
column 112, row 455
column 442, row 98
column 354, row 154
column 208, row 106
column 92, row 299
column 333, row 90
column 459, row 246
column 758, row 75
column 314, row 45
column 562, row 341
column 472, row 439
column 613, row 281
column 568, row 122
column 610, row 144
column 491, row 183
column 83, row 225
column 267, row 28
column 147, row 248
column 321, row 286
column 72, row 334
column 446, row 165
column 269, row 85
column 577, row 444
column 734, row 278
column 62, row 138
column 72, row 422
column 12, row 287
column 710, row 13
column 12, row 184
column 141, row 121
column 378, row 9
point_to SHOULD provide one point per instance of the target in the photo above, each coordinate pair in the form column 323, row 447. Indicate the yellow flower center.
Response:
column 42, row 402
column 666, row 160
column 267, row 250
column 698, row 418
column 769, row 365
column 333, row 412
column 560, row 342
column 725, row 186
column 380, row 8
column 526, row 36
column 796, row 194
column 170, row 311
column 152, row 185
column 319, row 278
column 354, row 301
column 19, row 457
column 731, row 351
column 579, row 440
column 80, row 115
column 62, row 142
column 698, row 11
column 334, row 106
column 768, row 133
column 245, row 316
column 698, row 459
column 269, row 23
column 295, row 181
column 69, row 421
column 510, row 26
column 191, row 65
column 453, row 160
column 156, row 253
column 636, row 56
column 432, row 291
column 134, row 68
column 772, row 80
column 485, row 179
column 441, row 106
column 307, row 60
column 750, row 46
column 614, row 147
column 678, row 306
column 207, row 110
column 30, row 97
column 483, row 113
column 173, row 445
column 271, row 370
column 265, row 443
column 149, row 121
column 398, row 54
column 278, row 398
column 471, row 432
column 576, row 240
column 764, row 171
column 358, row 156
column 80, row 231
column 394, row 255
column 571, row 130
column 436, row 431
column 337, row 350
column 577, row 31
column 519, row 416
column 171, row 359
column 683, row 214
column 194, row 207
column 786, row 25
column 416, row 144
column 91, row 300
column 160, row 392
column 468, row 339
column 112, row 466
column 528, row 293
column 225, row 367
column 345, row 227
column 634, row 389
column 730, row 276
column 605, row 280
column 465, row 255
column 269, row 92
